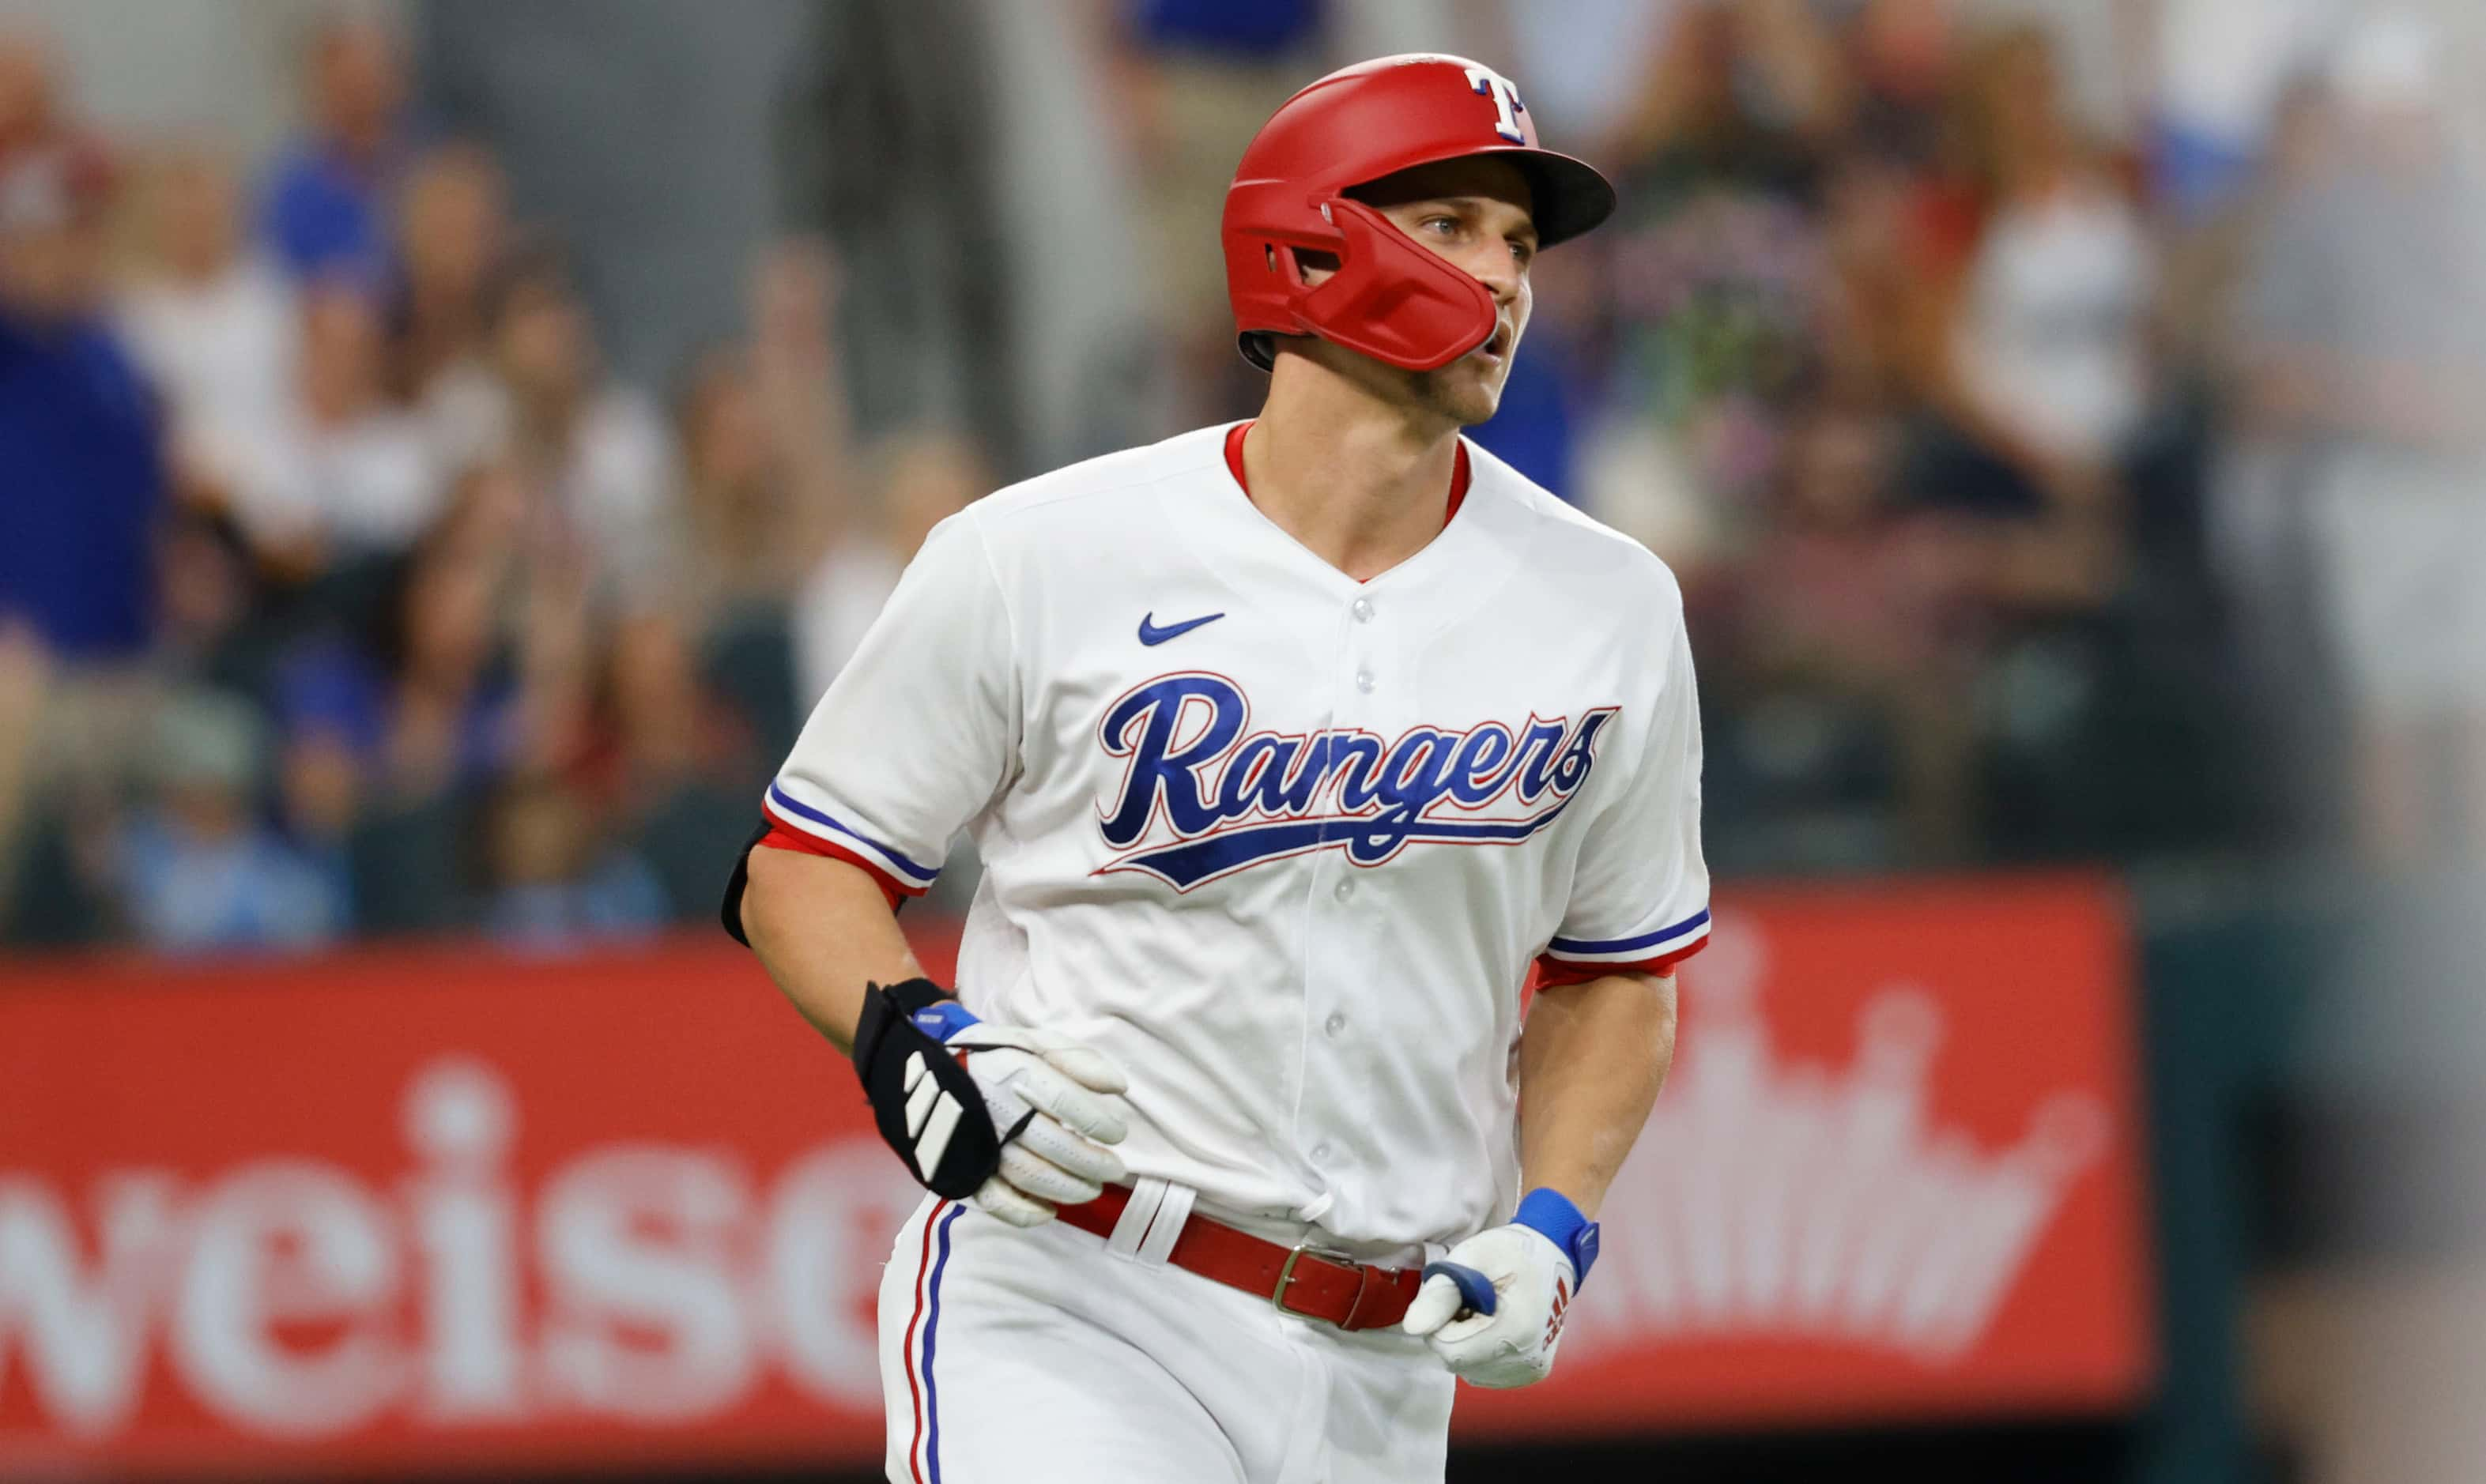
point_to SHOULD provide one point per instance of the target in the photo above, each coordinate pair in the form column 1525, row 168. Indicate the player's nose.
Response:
column 1498, row 268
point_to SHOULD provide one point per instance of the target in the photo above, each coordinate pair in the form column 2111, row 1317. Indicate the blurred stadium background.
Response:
column 444, row 446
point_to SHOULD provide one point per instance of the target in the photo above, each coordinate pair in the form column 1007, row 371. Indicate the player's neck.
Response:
column 1362, row 482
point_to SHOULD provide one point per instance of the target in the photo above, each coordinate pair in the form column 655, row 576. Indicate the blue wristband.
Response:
column 944, row 1019
column 1550, row 1212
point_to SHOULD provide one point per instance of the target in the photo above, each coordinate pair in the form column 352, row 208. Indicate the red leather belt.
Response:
column 1339, row 1290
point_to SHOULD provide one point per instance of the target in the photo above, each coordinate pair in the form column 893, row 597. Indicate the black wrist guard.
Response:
column 923, row 1102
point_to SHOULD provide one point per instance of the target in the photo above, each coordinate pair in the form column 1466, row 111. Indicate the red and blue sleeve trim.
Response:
column 1578, row 960
column 1553, row 973
column 782, row 837
column 1645, row 945
column 910, row 876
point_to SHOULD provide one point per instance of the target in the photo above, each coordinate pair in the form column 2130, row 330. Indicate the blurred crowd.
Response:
column 2049, row 480
column 2036, row 496
column 343, row 591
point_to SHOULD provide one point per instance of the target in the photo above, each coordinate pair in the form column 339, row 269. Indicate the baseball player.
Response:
column 1290, row 749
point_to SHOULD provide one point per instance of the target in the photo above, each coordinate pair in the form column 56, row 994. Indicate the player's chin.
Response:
column 1467, row 391
column 1475, row 403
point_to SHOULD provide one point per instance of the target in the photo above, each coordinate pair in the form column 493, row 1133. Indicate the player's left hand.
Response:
column 1493, row 1309
column 1018, row 1121
column 1054, row 1099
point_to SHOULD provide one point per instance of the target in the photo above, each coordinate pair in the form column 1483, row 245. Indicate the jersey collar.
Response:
column 1459, row 475
column 1469, row 565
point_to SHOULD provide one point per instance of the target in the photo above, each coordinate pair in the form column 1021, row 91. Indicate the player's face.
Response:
column 1477, row 214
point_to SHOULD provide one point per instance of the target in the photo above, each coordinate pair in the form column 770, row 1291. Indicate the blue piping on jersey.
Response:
column 1626, row 944
column 784, row 801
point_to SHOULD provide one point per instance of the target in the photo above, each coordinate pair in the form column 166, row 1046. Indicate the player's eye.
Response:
column 1447, row 226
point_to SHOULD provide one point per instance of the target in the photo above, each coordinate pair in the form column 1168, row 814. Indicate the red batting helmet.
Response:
column 1391, row 298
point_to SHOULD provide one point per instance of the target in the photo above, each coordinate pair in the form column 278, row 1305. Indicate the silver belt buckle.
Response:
column 1286, row 1275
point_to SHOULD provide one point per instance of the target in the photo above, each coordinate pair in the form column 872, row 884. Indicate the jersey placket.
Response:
column 1371, row 689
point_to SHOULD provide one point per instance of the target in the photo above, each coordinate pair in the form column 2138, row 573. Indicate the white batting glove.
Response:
column 1493, row 1309
column 1052, row 1100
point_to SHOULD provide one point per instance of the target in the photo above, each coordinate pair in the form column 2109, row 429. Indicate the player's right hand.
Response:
column 1054, row 1100
column 1492, row 1308
column 1018, row 1121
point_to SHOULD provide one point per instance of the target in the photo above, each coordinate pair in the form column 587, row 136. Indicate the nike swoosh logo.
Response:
column 1151, row 634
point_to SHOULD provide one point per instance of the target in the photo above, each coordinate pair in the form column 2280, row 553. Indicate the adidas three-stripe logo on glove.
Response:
column 1015, row 1122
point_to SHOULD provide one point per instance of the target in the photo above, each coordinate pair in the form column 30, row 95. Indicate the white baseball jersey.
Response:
column 1281, row 843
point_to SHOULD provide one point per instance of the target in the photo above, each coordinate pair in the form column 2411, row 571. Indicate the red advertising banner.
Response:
column 1896, row 1176
column 439, row 1208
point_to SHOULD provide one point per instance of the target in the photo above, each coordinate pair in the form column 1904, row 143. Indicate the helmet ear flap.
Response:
column 1391, row 299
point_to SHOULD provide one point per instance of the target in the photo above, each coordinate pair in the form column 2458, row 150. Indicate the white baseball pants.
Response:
column 1039, row 1356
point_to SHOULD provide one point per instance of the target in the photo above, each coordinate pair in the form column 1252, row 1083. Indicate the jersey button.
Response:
column 1344, row 890
column 1320, row 1153
column 1361, row 608
column 1334, row 1023
column 1364, row 681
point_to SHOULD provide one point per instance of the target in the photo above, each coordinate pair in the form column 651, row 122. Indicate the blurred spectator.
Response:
column 648, row 135
column 340, row 472
column 213, row 324
column 77, row 425
column 79, row 499
column 2210, row 265
column 433, row 700
column 796, row 294
column 553, row 883
column 598, row 452
column 1872, row 290
column 204, row 594
column 765, row 444
column 1712, row 268
column 319, row 795
column 928, row 218
column 2366, row 334
column 453, row 227
column 1735, row 75
column 743, row 522
column 1584, row 64
column 1900, row 54
column 197, row 870
column 326, row 210
column 751, row 542
column 2258, row 539
column 919, row 481
column 604, row 649
column 703, row 696
column 1855, row 603
column 1196, row 77
column 767, row 484
column 27, row 96
column 2222, row 66
column 2034, row 341
column 475, row 666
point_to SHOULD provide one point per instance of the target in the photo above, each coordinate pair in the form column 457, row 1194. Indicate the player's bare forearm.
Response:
column 822, row 930
column 1591, row 1064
